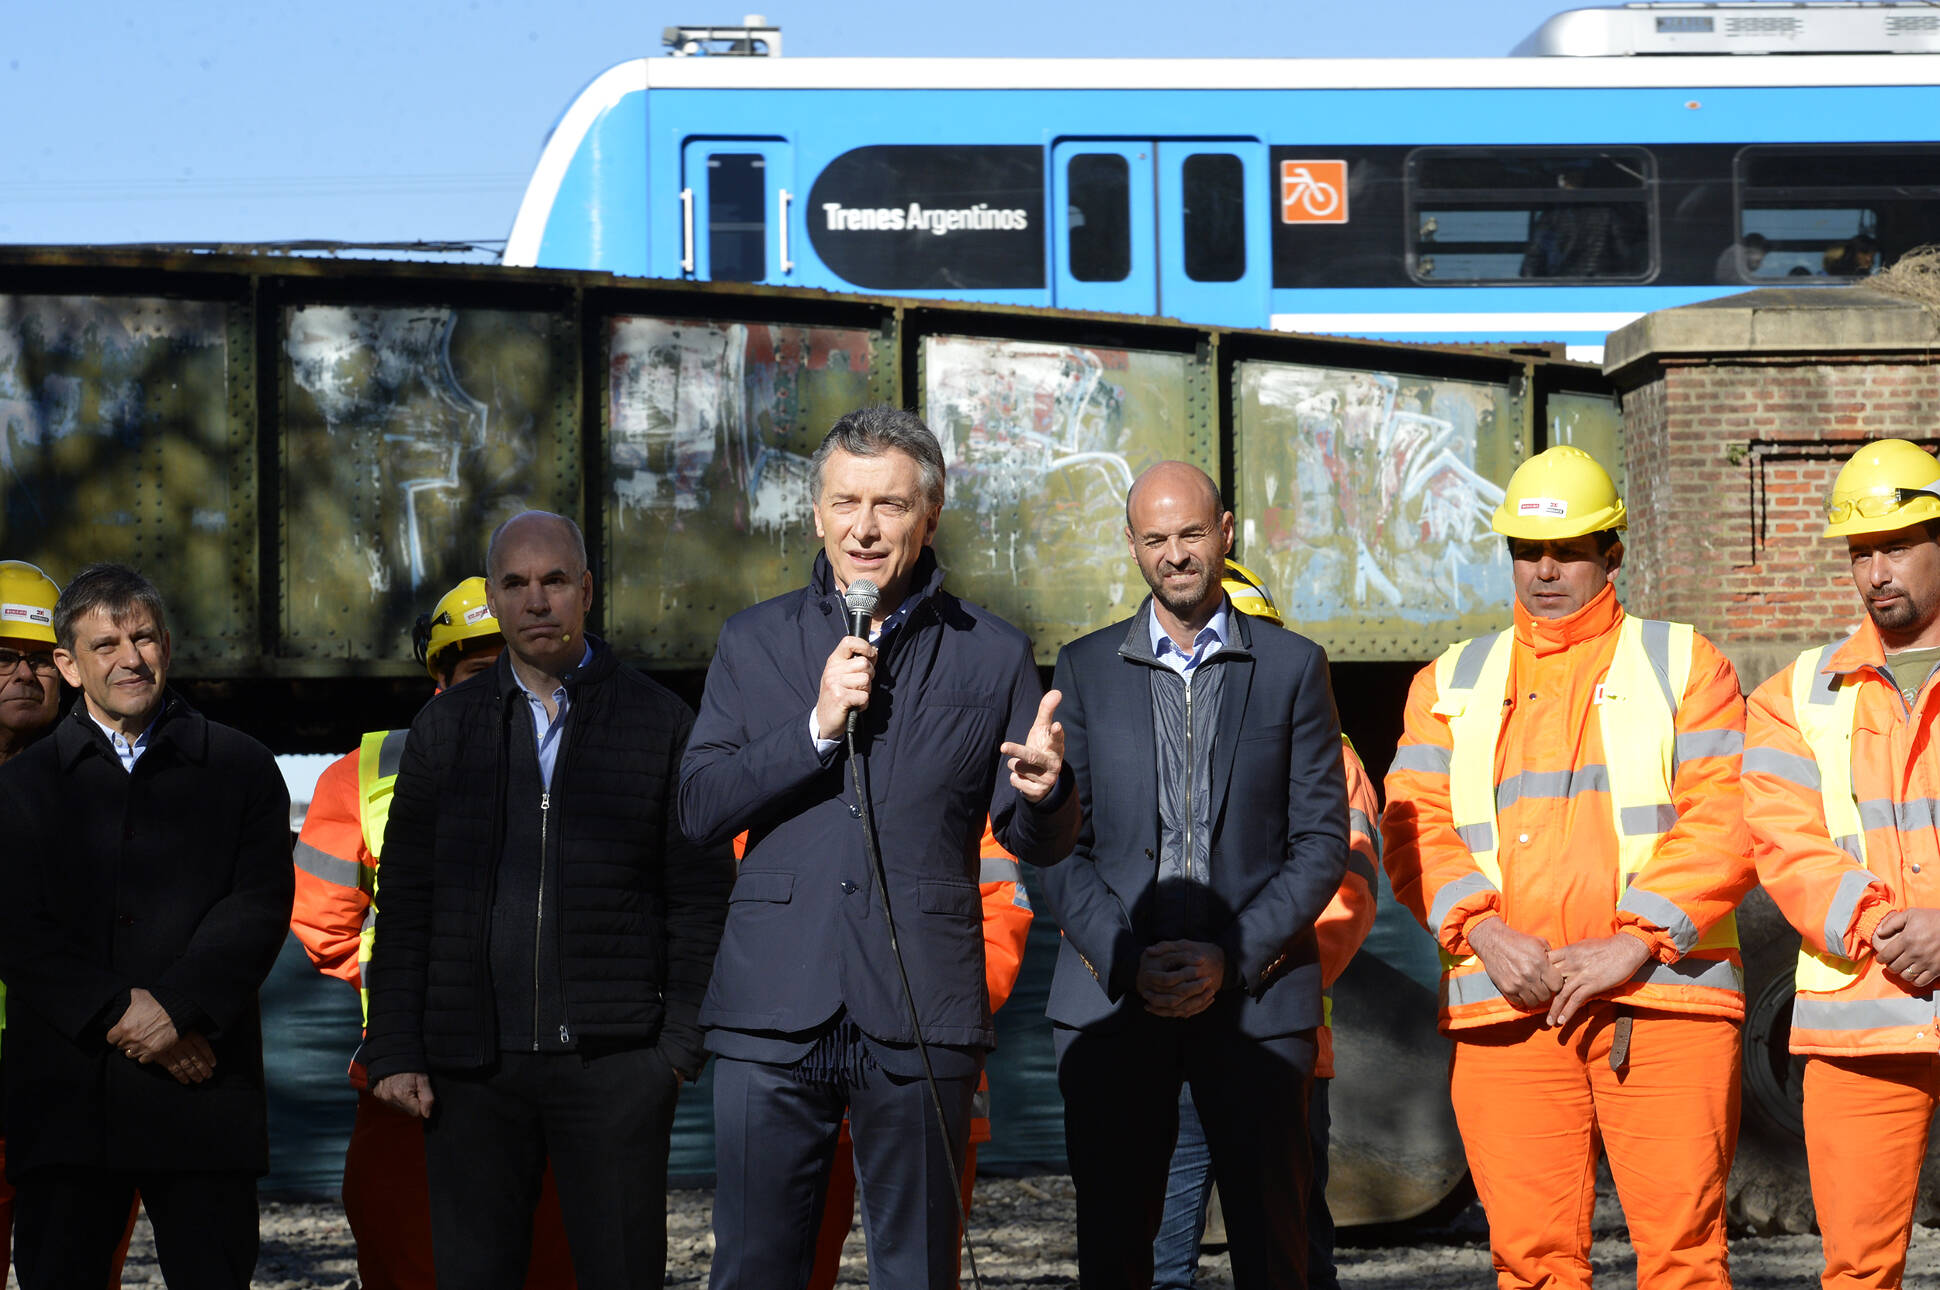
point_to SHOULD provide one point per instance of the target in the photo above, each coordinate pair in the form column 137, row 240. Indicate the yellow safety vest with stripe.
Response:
column 1637, row 714
column 1825, row 708
column 378, row 756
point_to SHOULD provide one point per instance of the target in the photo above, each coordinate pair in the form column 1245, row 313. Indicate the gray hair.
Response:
column 572, row 531
column 870, row 432
column 113, row 589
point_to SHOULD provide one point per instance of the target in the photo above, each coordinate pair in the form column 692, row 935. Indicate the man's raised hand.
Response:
column 1036, row 763
column 846, row 679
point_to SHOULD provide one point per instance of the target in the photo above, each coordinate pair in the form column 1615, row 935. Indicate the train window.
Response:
column 1098, row 187
column 1816, row 212
column 1512, row 215
column 1214, row 230
column 737, row 217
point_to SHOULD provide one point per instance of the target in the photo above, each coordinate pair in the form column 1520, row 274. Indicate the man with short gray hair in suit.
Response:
column 806, row 1013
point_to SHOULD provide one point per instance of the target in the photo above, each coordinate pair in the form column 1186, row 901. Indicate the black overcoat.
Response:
column 174, row 878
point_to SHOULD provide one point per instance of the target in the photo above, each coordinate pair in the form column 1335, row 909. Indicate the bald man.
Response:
column 1189, row 956
column 544, row 935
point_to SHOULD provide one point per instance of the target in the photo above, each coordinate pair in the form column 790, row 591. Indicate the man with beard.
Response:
column 1208, row 761
column 1840, row 785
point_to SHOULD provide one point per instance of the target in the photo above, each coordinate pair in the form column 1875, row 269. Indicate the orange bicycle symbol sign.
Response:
column 1313, row 192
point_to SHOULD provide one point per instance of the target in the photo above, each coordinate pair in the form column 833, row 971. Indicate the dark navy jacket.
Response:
column 805, row 937
column 1279, row 816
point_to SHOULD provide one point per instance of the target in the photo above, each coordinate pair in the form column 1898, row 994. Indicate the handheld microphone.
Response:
column 860, row 602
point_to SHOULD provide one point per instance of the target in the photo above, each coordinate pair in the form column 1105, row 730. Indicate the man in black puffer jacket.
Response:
column 544, row 936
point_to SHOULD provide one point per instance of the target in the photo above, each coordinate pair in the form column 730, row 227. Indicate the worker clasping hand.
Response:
column 1908, row 944
column 1035, row 763
column 1517, row 962
column 1590, row 969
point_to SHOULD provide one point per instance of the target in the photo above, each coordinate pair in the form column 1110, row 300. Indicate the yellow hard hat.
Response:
column 1249, row 594
column 461, row 616
column 1559, row 493
column 1888, row 484
column 27, row 599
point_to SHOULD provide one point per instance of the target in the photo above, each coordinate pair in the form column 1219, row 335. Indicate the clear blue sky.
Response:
column 265, row 120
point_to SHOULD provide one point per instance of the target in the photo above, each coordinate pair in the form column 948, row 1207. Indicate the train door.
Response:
column 1177, row 227
column 1103, row 245
column 737, row 211
column 1213, row 232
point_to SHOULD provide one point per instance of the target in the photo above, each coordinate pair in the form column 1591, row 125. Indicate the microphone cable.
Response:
column 866, row 814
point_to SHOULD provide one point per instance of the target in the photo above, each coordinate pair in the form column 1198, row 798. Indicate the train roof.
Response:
column 1265, row 73
column 1682, row 28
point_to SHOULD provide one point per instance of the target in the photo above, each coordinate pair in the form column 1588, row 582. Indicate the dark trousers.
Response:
column 1188, row 1198
column 67, row 1225
column 603, row 1120
column 774, row 1138
column 1121, row 1086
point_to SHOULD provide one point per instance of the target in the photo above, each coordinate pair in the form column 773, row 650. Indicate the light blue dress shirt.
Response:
column 546, row 732
column 1207, row 643
column 130, row 753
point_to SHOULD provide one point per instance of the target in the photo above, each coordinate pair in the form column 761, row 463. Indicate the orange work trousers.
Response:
column 1866, row 1121
column 1536, row 1106
column 838, row 1210
column 388, row 1202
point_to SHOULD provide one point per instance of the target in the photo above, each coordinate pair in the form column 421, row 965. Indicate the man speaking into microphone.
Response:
column 809, row 1013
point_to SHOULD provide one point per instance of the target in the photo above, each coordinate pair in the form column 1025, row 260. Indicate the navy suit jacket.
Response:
column 1279, row 818
column 805, row 936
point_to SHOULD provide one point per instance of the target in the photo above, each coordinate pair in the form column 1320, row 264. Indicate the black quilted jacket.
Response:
column 641, row 907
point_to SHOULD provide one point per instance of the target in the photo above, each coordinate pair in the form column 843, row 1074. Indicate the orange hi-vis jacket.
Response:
column 1876, row 767
column 1554, row 840
column 1344, row 924
column 336, row 863
column 1006, row 926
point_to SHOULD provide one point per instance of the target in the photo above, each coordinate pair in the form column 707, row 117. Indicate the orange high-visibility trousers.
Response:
column 1866, row 1122
column 387, row 1199
column 1533, row 1105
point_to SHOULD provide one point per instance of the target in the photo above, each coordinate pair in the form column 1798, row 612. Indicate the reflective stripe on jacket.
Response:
column 336, row 861
column 1841, row 790
column 1344, row 924
column 1502, row 801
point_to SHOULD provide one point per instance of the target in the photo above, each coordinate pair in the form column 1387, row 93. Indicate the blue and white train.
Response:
column 1627, row 160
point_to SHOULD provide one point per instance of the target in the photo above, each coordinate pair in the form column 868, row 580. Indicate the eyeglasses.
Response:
column 1874, row 505
column 13, row 658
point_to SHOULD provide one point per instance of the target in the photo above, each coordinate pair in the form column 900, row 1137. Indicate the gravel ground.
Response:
column 1023, row 1233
